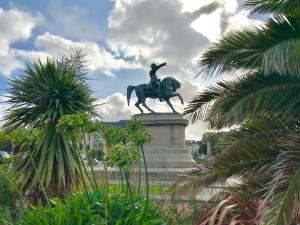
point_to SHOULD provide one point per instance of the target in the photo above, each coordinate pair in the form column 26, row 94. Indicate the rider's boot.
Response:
column 160, row 98
column 159, row 94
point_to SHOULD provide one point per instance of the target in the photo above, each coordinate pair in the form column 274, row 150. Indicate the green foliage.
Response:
column 24, row 139
column 76, row 209
column 231, row 102
column 5, row 141
column 113, row 135
column 7, row 196
column 122, row 156
column 56, row 89
column 96, row 153
column 123, row 211
column 263, row 103
column 137, row 133
column 123, row 147
column 272, row 47
column 6, row 193
column 40, row 98
column 25, row 136
column 274, row 6
column 76, row 123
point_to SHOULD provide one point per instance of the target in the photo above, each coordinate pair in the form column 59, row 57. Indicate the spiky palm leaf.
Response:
column 271, row 47
column 231, row 102
column 230, row 208
column 281, row 204
column 264, row 103
column 246, row 153
column 46, row 92
column 274, row 6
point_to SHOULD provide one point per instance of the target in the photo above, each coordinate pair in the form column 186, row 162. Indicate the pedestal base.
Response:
column 166, row 155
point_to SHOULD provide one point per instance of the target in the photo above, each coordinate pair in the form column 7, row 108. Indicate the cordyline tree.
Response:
column 46, row 92
column 264, row 102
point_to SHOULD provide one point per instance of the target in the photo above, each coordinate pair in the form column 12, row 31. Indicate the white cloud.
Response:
column 241, row 20
column 15, row 25
column 213, row 15
column 217, row 17
column 230, row 6
column 213, row 31
column 115, row 107
column 98, row 57
column 155, row 32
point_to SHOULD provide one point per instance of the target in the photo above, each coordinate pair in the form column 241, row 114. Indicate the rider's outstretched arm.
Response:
column 161, row 65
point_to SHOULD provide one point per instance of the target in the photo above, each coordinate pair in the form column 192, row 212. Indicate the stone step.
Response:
column 159, row 175
column 170, row 164
column 166, row 157
column 168, row 150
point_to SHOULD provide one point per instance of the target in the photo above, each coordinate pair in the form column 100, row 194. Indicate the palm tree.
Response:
column 45, row 93
column 263, row 103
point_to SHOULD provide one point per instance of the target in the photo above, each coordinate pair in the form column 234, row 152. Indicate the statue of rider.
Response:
column 154, row 81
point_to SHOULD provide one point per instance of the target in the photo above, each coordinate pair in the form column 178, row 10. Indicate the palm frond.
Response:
column 232, row 102
column 273, row 6
column 75, row 58
column 233, row 209
column 47, row 92
column 191, row 182
column 246, row 49
column 245, row 153
column 281, row 205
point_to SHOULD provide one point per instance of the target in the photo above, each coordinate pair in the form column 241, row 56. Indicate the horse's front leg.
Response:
column 144, row 104
column 179, row 96
column 170, row 104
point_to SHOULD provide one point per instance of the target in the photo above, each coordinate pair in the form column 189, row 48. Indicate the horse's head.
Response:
column 175, row 85
column 171, row 84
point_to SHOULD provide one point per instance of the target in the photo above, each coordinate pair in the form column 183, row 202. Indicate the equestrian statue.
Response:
column 163, row 90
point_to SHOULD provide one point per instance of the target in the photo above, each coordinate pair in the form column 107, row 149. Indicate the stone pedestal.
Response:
column 167, row 156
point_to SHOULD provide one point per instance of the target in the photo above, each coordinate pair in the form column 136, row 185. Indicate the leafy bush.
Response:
column 96, row 153
column 7, row 197
column 5, row 141
column 80, row 210
column 6, row 193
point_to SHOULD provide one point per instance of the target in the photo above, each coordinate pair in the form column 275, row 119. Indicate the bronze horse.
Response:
column 168, row 88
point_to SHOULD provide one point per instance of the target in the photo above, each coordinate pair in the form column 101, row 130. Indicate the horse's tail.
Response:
column 130, row 88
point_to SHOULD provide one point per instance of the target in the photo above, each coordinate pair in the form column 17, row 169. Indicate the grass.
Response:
column 154, row 189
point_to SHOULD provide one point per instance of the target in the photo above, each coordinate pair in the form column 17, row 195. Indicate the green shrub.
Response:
column 77, row 209
column 96, row 153
column 6, row 193
column 7, row 196
column 5, row 216
column 124, row 211
column 5, row 141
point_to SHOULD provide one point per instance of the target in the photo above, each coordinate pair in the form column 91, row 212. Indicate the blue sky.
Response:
column 121, row 38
